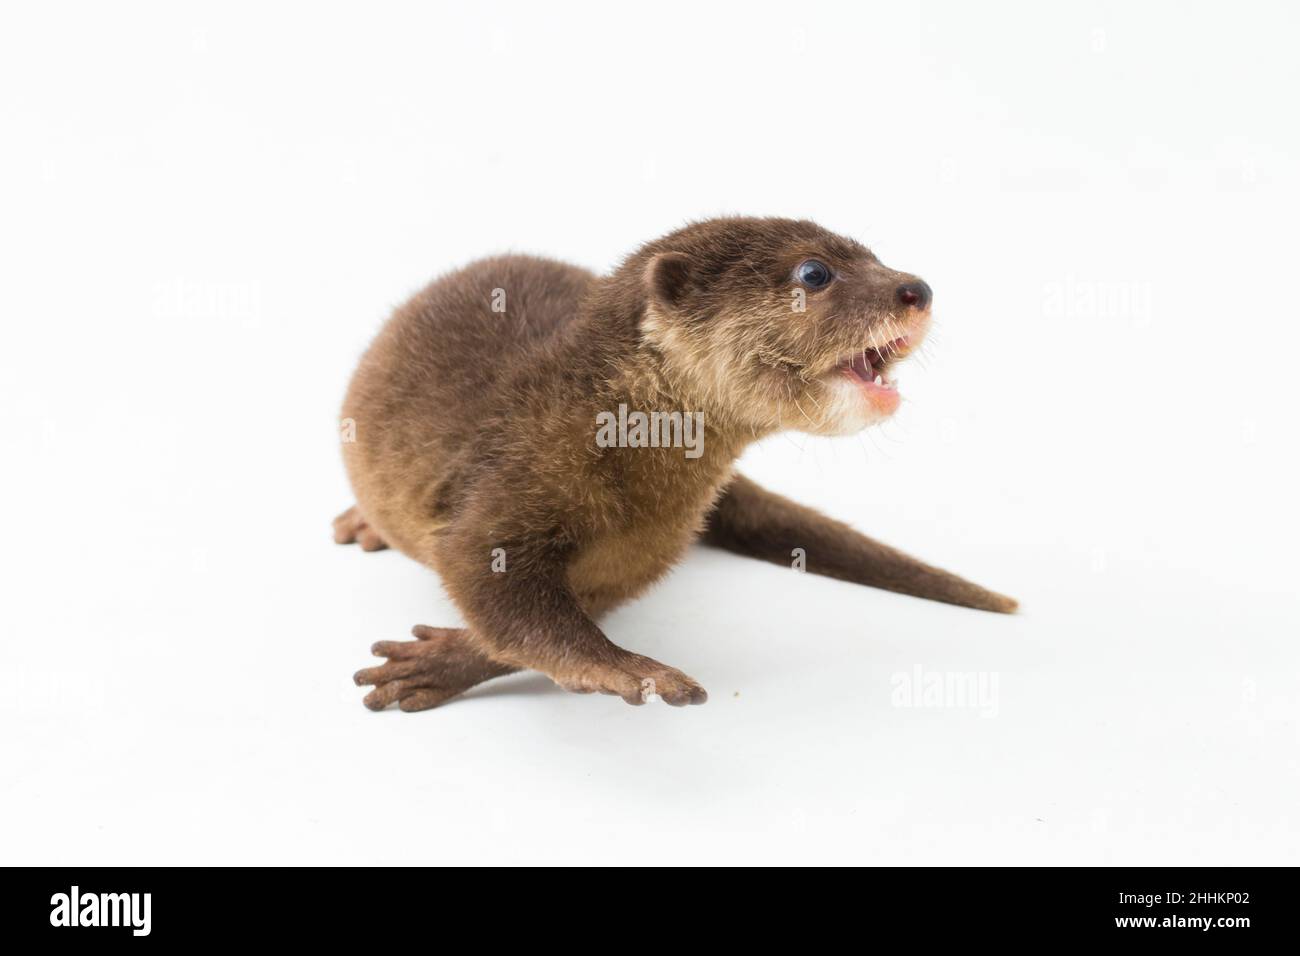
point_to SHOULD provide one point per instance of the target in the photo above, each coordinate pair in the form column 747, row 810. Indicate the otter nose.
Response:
column 916, row 294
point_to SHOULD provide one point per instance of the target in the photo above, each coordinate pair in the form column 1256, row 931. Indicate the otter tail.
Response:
column 754, row 522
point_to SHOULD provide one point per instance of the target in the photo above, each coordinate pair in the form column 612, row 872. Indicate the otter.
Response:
column 472, row 447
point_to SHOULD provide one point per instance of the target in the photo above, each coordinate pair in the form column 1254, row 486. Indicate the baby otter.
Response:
column 472, row 441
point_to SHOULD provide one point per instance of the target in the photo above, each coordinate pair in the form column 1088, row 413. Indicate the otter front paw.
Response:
column 636, row 679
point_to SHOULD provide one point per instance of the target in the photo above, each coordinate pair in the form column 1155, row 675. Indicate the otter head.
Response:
column 778, row 323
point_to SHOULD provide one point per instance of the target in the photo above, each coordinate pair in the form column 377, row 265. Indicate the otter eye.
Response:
column 813, row 274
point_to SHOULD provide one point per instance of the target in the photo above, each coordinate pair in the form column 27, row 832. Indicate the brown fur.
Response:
column 475, row 430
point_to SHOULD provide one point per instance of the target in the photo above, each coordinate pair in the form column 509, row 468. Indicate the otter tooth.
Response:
column 878, row 381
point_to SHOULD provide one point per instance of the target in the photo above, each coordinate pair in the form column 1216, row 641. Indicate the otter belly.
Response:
column 617, row 567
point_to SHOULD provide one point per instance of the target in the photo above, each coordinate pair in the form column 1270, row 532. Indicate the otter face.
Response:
column 781, row 323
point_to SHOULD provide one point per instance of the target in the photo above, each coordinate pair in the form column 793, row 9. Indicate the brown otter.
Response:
column 473, row 448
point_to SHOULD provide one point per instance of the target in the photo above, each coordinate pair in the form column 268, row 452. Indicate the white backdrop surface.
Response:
column 208, row 210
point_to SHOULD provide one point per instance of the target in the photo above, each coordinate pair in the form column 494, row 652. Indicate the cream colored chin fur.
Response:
column 843, row 410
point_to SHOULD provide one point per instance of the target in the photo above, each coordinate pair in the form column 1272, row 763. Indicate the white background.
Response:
column 207, row 211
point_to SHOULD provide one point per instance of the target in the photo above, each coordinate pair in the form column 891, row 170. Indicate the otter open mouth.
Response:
column 871, row 367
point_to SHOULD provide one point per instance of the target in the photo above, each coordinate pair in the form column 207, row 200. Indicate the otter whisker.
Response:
column 803, row 413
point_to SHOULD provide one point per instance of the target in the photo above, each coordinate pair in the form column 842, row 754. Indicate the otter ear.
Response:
column 668, row 277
